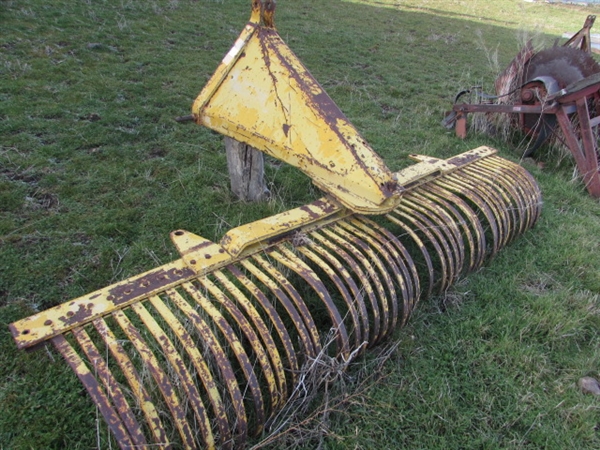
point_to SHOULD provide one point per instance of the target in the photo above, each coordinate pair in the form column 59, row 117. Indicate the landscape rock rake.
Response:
column 204, row 351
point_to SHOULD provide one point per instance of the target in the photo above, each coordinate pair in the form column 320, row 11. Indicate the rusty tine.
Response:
column 432, row 208
column 111, row 387
column 385, row 263
column 222, row 362
column 91, row 384
column 162, row 380
column 404, row 268
column 292, row 262
column 352, row 258
column 437, row 241
column 234, row 343
column 502, row 200
column 354, row 298
column 443, row 229
column 357, row 324
column 494, row 200
column 265, row 335
column 511, row 194
column 254, row 344
column 473, row 233
column 480, row 200
column 134, row 380
column 202, row 368
column 407, row 230
column 183, row 375
column 378, row 301
column 275, row 321
column 296, row 308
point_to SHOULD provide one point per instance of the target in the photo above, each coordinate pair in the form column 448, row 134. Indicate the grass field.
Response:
column 95, row 173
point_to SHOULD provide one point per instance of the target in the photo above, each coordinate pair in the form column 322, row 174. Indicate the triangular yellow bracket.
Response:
column 262, row 95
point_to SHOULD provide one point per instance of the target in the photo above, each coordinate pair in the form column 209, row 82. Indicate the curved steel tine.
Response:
column 303, row 320
column 254, row 343
column 457, row 186
column 482, row 204
column 457, row 205
column 370, row 246
column 495, row 201
column 507, row 181
column 530, row 196
column 160, row 377
column 496, row 184
column 204, row 373
column 135, row 382
column 400, row 273
column 405, row 263
column 265, row 334
column 355, row 299
column 370, row 273
column 354, row 259
column 419, row 243
column 286, row 257
column 349, row 300
column 91, row 384
column 530, row 187
column 184, row 377
column 451, row 224
column 275, row 320
column 527, row 185
column 450, row 214
column 221, row 360
column 112, row 388
column 444, row 228
column 435, row 239
column 236, row 346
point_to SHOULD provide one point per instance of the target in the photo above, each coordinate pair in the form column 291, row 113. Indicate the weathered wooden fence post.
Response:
column 246, row 167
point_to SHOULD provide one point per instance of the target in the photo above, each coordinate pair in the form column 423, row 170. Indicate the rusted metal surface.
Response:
column 577, row 122
column 582, row 39
column 262, row 95
column 558, row 85
column 507, row 81
column 221, row 349
column 582, row 140
column 40, row 327
column 205, row 351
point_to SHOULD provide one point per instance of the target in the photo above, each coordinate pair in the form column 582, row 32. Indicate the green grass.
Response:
column 95, row 173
